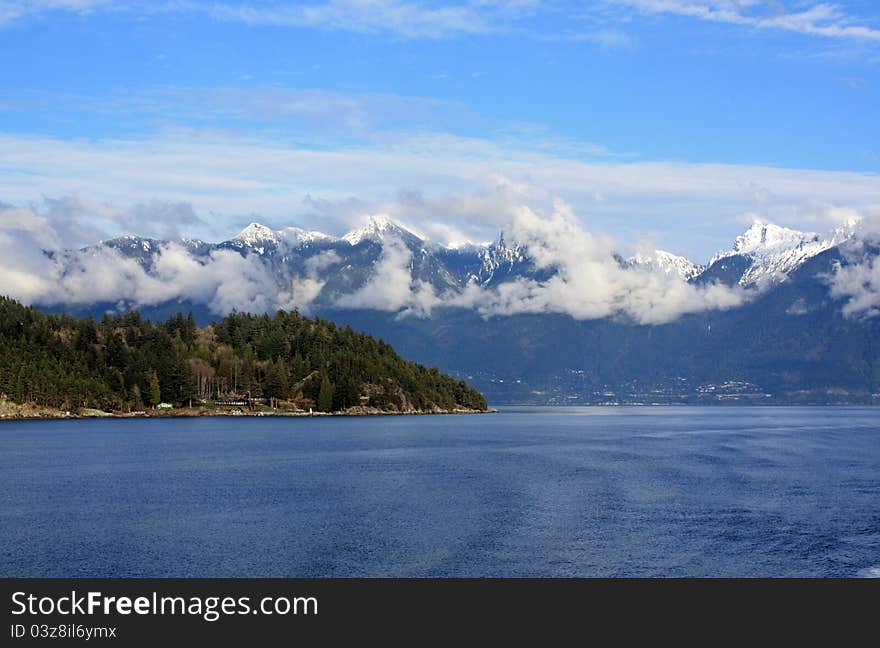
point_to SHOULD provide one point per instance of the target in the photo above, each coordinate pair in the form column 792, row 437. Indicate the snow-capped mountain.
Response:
column 379, row 228
column 260, row 238
column 499, row 260
column 763, row 256
column 792, row 336
column 768, row 253
column 257, row 234
column 666, row 263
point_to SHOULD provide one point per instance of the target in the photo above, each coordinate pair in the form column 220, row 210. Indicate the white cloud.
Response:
column 410, row 19
column 811, row 18
column 406, row 18
column 858, row 280
column 76, row 221
column 306, row 288
column 420, row 19
column 35, row 268
column 464, row 183
column 588, row 282
column 293, row 113
column 11, row 10
column 859, row 284
column 392, row 286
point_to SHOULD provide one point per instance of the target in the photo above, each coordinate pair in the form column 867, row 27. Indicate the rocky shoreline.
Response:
column 26, row 411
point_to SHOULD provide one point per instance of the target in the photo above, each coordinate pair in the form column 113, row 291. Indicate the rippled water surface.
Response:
column 527, row 492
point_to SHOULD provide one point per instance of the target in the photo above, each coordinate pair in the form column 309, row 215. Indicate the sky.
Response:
column 673, row 123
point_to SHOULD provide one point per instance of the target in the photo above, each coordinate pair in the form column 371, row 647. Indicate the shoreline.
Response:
column 32, row 413
column 29, row 412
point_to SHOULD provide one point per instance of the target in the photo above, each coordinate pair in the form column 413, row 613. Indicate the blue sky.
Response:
column 672, row 121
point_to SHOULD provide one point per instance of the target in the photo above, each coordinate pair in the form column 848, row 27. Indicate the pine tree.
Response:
column 346, row 393
column 60, row 361
column 325, row 396
column 155, row 391
column 300, row 367
column 276, row 379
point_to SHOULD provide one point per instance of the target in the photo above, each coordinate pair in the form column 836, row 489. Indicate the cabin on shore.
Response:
column 244, row 401
column 233, row 401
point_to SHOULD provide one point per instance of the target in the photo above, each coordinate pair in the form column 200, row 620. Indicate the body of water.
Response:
column 527, row 492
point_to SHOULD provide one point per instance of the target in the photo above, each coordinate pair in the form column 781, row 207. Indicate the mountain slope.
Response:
column 791, row 344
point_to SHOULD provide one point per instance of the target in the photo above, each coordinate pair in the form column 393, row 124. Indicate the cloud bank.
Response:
column 231, row 178
column 860, row 285
column 587, row 280
column 392, row 286
column 36, row 267
column 858, row 280
column 830, row 20
column 581, row 274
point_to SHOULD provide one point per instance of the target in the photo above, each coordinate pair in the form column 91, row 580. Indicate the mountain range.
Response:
column 345, row 262
column 790, row 325
column 765, row 254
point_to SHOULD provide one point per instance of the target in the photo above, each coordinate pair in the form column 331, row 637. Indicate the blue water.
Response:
column 528, row 492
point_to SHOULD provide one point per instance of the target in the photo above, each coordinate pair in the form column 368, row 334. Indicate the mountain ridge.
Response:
column 768, row 252
column 794, row 336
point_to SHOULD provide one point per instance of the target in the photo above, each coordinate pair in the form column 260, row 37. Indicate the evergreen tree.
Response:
column 300, row 367
column 276, row 379
column 325, row 396
column 155, row 391
column 59, row 361
column 346, row 393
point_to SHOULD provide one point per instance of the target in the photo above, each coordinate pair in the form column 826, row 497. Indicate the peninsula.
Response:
column 126, row 365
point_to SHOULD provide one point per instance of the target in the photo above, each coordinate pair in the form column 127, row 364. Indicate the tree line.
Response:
column 125, row 361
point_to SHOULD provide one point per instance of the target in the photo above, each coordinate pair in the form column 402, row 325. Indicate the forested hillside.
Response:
column 127, row 362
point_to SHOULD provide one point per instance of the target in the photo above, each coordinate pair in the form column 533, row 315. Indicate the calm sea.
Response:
column 527, row 492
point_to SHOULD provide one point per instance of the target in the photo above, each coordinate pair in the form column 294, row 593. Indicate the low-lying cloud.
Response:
column 392, row 287
column 583, row 277
column 77, row 221
column 36, row 268
column 588, row 281
column 858, row 279
column 860, row 285
column 451, row 181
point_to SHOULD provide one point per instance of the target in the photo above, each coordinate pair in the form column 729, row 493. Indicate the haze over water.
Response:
column 527, row 492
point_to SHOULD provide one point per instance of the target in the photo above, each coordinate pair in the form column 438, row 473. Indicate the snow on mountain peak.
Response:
column 775, row 251
column 301, row 236
column 495, row 256
column 258, row 237
column 762, row 238
column 256, row 233
column 666, row 263
column 377, row 227
column 849, row 229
